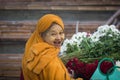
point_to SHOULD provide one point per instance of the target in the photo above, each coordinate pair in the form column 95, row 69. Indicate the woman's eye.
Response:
column 53, row 34
column 61, row 33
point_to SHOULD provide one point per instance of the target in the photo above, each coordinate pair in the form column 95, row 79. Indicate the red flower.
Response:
column 105, row 66
column 89, row 69
column 86, row 70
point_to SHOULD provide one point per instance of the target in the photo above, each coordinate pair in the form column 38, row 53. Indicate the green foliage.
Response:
column 108, row 45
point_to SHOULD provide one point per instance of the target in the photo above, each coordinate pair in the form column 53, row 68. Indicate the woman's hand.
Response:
column 72, row 75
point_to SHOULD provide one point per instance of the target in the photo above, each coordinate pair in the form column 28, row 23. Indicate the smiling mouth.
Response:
column 57, row 43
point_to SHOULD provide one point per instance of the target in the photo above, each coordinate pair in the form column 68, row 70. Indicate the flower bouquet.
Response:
column 83, row 51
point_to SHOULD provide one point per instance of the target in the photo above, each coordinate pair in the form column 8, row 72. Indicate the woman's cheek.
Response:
column 63, row 36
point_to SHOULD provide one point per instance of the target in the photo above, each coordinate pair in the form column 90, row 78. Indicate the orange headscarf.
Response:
column 43, row 24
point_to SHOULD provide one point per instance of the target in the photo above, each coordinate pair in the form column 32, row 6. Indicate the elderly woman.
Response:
column 41, row 60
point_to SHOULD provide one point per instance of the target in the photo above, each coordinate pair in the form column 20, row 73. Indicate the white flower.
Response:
column 118, row 63
column 78, row 37
column 75, row 39
column 102, row 31
column 113, row 28
column 64, row 46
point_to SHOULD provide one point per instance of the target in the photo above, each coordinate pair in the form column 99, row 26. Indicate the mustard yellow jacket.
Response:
column 43, row 63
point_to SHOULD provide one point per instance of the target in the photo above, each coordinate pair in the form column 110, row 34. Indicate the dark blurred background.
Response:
column 18, row 19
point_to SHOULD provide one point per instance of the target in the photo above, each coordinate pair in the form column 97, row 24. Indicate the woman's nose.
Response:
column 58, row 37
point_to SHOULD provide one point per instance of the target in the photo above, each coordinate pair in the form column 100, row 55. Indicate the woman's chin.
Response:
column 58, row 46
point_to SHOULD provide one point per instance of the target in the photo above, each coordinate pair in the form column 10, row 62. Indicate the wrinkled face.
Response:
column 54, row 35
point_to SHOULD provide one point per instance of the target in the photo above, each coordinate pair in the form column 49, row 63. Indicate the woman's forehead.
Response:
column 55, row 27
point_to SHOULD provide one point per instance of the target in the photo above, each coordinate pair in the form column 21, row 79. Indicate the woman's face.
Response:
column 54, row 35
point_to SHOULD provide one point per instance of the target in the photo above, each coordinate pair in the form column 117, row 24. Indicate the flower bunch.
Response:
column 105, row 42
column 82, row 52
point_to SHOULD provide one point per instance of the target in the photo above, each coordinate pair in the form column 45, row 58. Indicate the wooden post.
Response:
column 77, row 26
column 113, row 19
